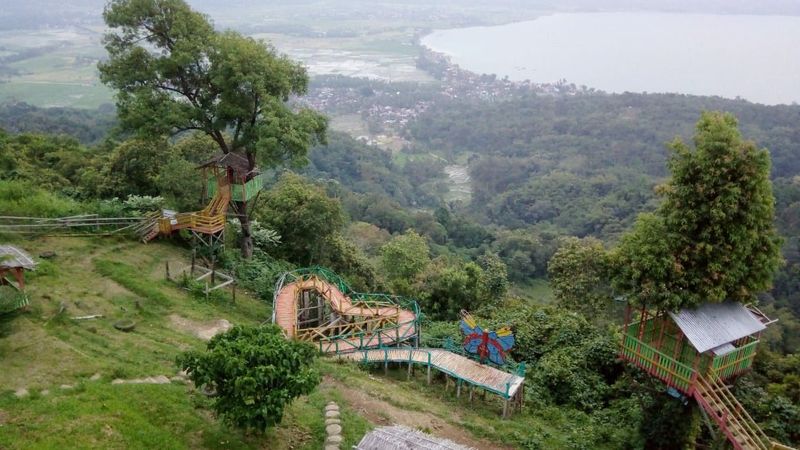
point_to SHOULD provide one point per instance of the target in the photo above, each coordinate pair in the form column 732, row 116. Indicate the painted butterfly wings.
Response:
column 489, row 345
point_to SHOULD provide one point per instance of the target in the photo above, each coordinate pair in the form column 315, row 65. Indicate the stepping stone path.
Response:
column 333, row 427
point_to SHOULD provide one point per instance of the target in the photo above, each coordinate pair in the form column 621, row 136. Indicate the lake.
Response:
column 753, row 57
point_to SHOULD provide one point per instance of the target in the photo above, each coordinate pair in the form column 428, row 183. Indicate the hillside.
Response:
column 58, row 371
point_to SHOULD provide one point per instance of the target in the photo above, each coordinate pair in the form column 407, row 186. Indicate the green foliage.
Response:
column 25, row 199
column 495, row 277
column 403, row 258
column 720, row 210
column 445, row 289
column 713, row 238
column 579, row 274
column 255, row 372
column 173, row 71
column 645, row 265
column 303, row 215
column 258, row 273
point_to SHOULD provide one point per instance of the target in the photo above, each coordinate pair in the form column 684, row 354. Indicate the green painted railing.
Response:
column 735, row 362
column 505, row 392
column 672, row 372
column 240, row 192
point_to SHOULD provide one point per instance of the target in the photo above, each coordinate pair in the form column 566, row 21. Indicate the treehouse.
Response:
column 234, row 169
column 697, row 352
column 229, row 182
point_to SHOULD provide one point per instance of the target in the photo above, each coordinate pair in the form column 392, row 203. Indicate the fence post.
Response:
column 429, row 367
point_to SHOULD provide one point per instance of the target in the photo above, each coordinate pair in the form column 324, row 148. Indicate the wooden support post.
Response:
column 505, row 408
column 194, row 256
column 166, row 266
column 386, row 367
column 213, row 269
column 458, row 388
column 471, row 391
column 429, row 373
column 410, row 364
column 233, row 286
column 20, row 276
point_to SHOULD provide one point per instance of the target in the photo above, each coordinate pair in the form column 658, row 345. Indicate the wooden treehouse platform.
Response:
column 695, row 352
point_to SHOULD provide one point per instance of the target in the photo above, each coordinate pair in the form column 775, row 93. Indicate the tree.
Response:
column 579, row 274
column 255, row 372
column 174, row 73
column 713, row 238
column 303, row 215
column 445, row 289
column 405, row 255
column 495, row 277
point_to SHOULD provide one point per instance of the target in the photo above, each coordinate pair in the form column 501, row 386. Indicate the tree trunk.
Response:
column 247, row 235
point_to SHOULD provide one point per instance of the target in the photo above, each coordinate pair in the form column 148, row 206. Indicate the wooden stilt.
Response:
column 429, row 374
column 458, row 388
column 386, row 367
column 410, row 365
column 166, row 266
column 505, row 408
column 471, row 391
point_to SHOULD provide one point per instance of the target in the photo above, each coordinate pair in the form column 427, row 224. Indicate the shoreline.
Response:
column 518, row 75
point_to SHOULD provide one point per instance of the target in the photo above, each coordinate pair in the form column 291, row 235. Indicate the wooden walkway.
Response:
column 285, row 315
column 486, row 377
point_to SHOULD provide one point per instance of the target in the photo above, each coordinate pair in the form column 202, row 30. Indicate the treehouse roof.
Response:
column 230, row 160
column 713, row 326
column 398, row 437
column 11, row 257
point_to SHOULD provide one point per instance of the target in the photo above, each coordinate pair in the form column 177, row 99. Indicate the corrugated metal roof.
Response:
column 398, row 437
column 714, row 324
column 11, row 257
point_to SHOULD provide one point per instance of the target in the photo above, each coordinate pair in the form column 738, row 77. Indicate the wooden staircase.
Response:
column 722, row 407
column 147, row 229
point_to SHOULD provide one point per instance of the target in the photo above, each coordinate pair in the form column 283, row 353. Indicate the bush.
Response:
column 24, row 199
column 255, row 373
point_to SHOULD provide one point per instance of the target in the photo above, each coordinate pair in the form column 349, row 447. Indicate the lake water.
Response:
column 753, row 57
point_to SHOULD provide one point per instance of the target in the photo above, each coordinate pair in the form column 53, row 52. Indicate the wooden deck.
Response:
column 494, row 380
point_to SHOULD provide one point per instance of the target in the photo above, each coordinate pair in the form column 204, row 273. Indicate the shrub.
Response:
column 255, row 373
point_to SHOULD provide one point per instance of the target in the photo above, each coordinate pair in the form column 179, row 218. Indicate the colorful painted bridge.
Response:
column 317, row 306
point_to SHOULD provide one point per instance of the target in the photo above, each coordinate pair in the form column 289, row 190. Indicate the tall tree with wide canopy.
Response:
column 173, row 72
column 714, row 237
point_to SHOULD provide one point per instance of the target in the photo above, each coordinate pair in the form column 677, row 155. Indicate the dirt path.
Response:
column 202, row 330
column 380, row 412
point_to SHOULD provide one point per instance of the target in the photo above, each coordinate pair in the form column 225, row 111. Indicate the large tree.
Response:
column 173, row 72
column 713, row 237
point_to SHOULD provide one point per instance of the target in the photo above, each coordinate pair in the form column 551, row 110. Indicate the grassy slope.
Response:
column 41, row 350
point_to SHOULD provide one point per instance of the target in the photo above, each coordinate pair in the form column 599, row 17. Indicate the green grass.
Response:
column 538, row 290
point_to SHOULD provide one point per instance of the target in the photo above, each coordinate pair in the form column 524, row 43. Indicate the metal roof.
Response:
column 11, row 257
column 398, row 437
column 714, row 324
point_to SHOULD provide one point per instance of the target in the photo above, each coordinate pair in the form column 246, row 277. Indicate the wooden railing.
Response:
column 659, row 365
column 735, row 362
